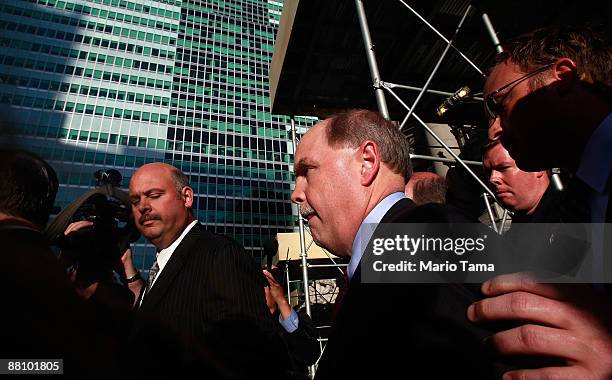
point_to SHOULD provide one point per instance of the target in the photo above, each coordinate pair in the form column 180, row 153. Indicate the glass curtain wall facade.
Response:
column 105, row 84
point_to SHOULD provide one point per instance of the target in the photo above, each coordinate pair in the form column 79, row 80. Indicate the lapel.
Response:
column 354, row 295
column 173, row 267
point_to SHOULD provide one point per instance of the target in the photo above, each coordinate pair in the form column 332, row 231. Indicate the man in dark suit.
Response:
column 351, row 170
column 204, row 286
column 548, row 97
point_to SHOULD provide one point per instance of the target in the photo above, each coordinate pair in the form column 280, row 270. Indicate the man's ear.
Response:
column 187, row 194
column 369, row 157
column 565, row 72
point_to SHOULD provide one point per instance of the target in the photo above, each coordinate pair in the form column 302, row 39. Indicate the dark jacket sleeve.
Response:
column 302, row 344
column 235, row 287
column 242, row 330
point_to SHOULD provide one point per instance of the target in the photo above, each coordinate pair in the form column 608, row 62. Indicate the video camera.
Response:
column 108, row 208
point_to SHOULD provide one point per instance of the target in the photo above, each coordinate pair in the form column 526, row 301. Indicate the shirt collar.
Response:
column 164, row 255
column 366, row 229
column 596, row 161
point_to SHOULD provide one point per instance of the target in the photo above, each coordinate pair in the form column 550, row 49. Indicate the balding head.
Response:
column 426, row 187
column 161, row 202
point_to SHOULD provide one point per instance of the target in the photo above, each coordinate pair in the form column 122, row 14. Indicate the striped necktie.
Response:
column 152, row 274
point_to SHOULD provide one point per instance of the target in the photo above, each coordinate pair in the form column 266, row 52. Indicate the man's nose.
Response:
column 298, row 196
column 495, row 178
column 143, row 206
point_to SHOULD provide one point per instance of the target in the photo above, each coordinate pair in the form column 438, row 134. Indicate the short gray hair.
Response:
column 180, row 180
column 353, row 127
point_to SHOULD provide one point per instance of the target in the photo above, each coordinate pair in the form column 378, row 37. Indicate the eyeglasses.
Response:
column 494, row 106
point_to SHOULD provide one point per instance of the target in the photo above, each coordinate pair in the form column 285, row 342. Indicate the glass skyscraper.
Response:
column 105, row 84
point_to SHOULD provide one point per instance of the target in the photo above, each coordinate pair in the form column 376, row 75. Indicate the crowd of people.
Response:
column 205, row 309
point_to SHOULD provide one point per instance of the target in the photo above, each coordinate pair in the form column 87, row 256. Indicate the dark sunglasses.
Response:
column 494, row 105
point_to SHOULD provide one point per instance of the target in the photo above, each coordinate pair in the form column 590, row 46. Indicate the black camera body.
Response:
column 97, row 247
column 111, row 233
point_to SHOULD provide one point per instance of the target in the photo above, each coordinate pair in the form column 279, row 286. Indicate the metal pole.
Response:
column 301, row 231
column 369, row 47
column 326, row 265
column 443, row 38
column 503, row 221
column 492, row 32
column 393, row 85
column 439, row 140
column 440, row 159
column 486, row 199
column 287, row 279
column 433, row 72
column 556, row 179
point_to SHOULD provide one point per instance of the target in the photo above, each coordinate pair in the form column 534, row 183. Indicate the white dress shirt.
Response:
column 367, row 227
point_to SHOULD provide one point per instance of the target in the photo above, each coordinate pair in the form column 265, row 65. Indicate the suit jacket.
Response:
column 210, row 295
column 407, row 330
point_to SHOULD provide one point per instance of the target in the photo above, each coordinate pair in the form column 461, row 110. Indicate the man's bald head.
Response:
column 161, row 202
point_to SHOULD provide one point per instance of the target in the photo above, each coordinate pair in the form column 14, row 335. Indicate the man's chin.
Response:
column 317, row 239
column 315, row 235
column 509, row 205
column 149, row 233
column 325, row 245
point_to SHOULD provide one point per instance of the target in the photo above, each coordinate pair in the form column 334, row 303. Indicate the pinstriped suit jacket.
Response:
column 209, row 278
column 211, row 291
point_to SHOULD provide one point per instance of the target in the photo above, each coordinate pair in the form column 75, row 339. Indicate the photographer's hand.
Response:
column 85, row 289
column 82, row 225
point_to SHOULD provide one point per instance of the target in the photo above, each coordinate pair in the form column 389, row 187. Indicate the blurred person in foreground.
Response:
column 548, row 98
column 43, row 317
